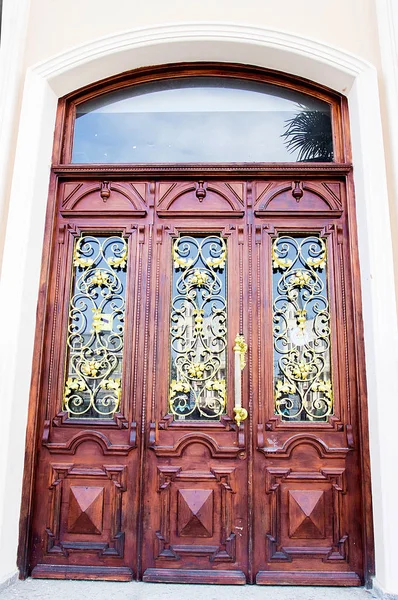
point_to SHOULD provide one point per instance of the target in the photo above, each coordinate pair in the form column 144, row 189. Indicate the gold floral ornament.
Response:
column 217, row 263
column 114, row 385
column 218, row 386
column 196, row 370
column 100, row 278
column 277, row 261
column 300, row 279
column 96, row 326
column 325, row 387
column 81, row 261
column 178, row 387
column 320, row 261
column 90, row 367
column 179, row 261
column 198, row 314
column 301, row 370
column 73, row 385
column 119, row 262
column 198, row 361
column 283, row 388
column 301, row 318
column 199, row 278
column 241, row 347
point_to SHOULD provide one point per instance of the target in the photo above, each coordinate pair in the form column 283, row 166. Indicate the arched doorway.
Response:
column 156, row 269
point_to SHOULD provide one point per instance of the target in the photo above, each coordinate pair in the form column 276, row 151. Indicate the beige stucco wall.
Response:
column 56, row 26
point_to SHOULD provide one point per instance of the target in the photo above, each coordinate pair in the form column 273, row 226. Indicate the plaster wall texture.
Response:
column 349, row 25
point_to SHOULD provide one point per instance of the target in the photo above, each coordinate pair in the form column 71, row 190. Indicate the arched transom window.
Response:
column 203, row 119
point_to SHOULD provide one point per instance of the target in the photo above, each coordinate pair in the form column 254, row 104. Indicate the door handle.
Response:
column 240, row 349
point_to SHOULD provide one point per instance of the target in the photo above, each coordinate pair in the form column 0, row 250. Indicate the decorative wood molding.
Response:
column 280, row 549
column 286, row 449
column 225, row 548
column 70, row 446
column 60, row 537
column 186, row 440
column 212, row 171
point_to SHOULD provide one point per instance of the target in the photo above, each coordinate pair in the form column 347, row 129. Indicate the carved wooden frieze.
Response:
column 104, row 197
column 200, row 198
column 324, row 198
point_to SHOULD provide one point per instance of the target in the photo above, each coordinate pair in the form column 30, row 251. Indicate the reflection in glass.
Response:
column 96, row 327
column 198, row 328
column 202, row 119
column 302, row 369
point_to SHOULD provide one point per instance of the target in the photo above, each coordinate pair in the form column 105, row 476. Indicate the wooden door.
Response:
column 143, row 470
column 195, row 494
column 306, row 461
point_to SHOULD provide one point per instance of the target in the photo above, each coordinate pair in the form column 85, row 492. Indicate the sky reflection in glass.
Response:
column 200, row 119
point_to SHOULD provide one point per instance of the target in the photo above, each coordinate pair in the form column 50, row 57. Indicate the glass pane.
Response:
column 96, row 327
column 198, row 328
column 203, row 119
column 302, row 370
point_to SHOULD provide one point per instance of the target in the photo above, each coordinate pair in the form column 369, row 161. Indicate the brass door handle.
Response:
column 240, row 349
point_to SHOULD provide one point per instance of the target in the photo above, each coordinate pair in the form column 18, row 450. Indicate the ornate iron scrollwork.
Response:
column 96, row 327
column 198, row 328
column 303, row 387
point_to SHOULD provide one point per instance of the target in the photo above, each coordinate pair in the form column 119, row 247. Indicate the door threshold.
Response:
column 194, row 576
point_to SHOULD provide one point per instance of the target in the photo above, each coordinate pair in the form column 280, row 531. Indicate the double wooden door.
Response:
column 176, row 309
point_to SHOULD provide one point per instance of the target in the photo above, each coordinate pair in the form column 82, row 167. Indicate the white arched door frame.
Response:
column 271, row 49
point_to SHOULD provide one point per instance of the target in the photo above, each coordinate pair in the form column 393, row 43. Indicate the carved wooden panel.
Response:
column 300, row 197
column 85, row 510
column 306, row 515
column 195, row 513
column 200, row 198
column 100, row 198
column 196, row 505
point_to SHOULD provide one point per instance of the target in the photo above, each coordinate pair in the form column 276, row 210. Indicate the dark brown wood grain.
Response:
column 140, row 470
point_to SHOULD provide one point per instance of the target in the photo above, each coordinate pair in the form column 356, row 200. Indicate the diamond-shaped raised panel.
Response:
column 195, row 513
column 306, row 514
column 86, row 507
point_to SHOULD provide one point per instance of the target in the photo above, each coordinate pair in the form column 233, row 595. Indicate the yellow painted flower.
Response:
column 198, row 314
column 119, row 262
